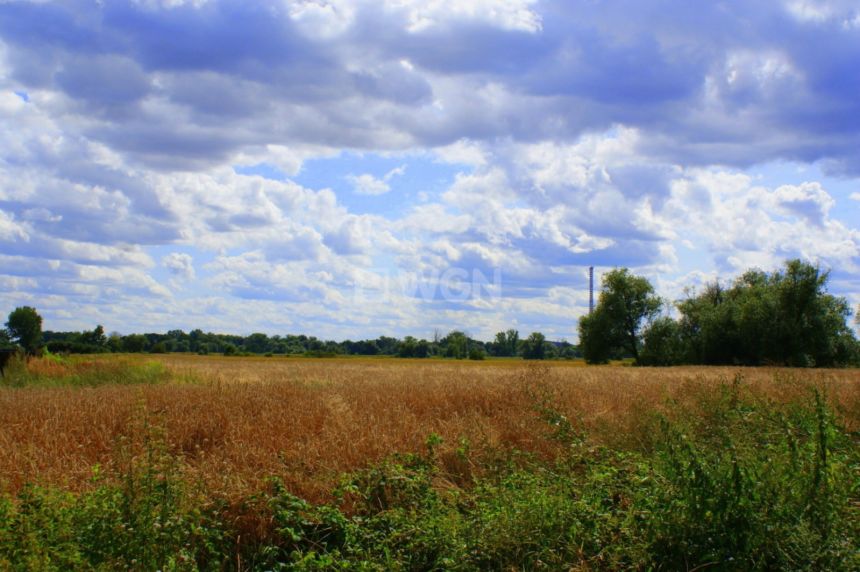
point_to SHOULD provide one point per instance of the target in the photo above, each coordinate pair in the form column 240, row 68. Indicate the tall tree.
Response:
column 626, row 304
column 25, row 327
column 506, row 343
column 534, row 346
column 784, row 317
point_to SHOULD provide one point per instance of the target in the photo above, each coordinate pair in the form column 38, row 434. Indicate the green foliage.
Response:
column 158, row 348
column 506, row 343
column 786, row 317
column 95, row 338
column 408, row 347
column 422, row 349
column 456, row 345
column 534, row 347
column 5, row 340
column 25, row 327
column 662, row 343
column 755, row 487
column 78, row 372
column 135, row 343
column 144, row 517
column 626, row 303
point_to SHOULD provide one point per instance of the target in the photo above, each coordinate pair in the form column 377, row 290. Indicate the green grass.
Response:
column 53, row 370
column 748, row 485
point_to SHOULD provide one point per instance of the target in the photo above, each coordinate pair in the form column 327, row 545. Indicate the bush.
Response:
column 751, row 487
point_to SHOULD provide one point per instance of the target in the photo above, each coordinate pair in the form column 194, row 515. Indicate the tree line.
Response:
column 24, row 328
column 785, row 317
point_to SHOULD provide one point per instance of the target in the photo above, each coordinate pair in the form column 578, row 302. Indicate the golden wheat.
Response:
column 237, row 421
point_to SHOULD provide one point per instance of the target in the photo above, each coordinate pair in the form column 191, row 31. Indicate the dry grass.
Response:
column 237, row 421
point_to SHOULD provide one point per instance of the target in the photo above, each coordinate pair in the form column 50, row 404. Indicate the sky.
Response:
column 350, row 169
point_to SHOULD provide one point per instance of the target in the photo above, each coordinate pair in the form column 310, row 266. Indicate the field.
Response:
column 323, row 433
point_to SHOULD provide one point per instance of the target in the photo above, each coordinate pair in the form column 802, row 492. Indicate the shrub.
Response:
column 754, row 487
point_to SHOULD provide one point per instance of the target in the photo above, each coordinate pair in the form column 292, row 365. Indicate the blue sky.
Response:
column 349, row 169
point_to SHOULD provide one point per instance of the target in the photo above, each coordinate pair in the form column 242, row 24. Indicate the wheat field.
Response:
column 234, row 422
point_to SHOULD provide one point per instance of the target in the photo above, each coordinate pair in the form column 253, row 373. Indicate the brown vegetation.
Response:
column 237, row 421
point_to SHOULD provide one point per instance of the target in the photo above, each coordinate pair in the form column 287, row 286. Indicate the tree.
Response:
column 456, row 345
column 407, row 347
column 626, row 303
column 422, row 349
column 5, row 340
column 506, row 343
column 135, row 343
column 784, row 317
column 257, row 343
column 534, row 346
column 662, row 343
column 95, row 338
column 25, row 327
column 114, row 342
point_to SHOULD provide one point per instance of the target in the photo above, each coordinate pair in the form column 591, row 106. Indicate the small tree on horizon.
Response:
column 25, row 327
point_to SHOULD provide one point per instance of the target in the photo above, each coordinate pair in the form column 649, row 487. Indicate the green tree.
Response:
column 135, row 343
column 5, row 340
column 114, row 342
column 662, row 343
column 709, row 324
column 96, row 337
column 257, row 343
column 594, row 337
column 456, row 345
column 25, row 327
column 534, row 346
column 506, row 343
column 812, row 322
column 422, row 349
column 407, row 348
column 784, row 317
column 626, row 304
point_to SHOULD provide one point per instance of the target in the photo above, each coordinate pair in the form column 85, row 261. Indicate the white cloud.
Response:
column 506, row 14
column 367, row 184
column 746, row 225
column 179, row 264
column 11, row 230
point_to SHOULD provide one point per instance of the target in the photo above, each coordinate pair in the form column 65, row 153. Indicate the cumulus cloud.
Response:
column 367, row 184
column 179, row 264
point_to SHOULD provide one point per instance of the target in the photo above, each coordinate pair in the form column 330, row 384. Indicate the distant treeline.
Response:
column 455, row 344
column 785, row 317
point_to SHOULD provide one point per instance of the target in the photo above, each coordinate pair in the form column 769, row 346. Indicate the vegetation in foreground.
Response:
column 727, row 478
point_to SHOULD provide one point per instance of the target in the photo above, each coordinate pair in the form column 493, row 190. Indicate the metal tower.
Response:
column 590, row 289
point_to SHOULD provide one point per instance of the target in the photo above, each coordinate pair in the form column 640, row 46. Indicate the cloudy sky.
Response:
column 357, row 168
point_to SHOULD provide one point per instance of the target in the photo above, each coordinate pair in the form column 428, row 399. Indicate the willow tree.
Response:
column 627, row 303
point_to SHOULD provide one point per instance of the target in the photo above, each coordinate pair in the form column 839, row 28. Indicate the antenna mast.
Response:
column 590, row 289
